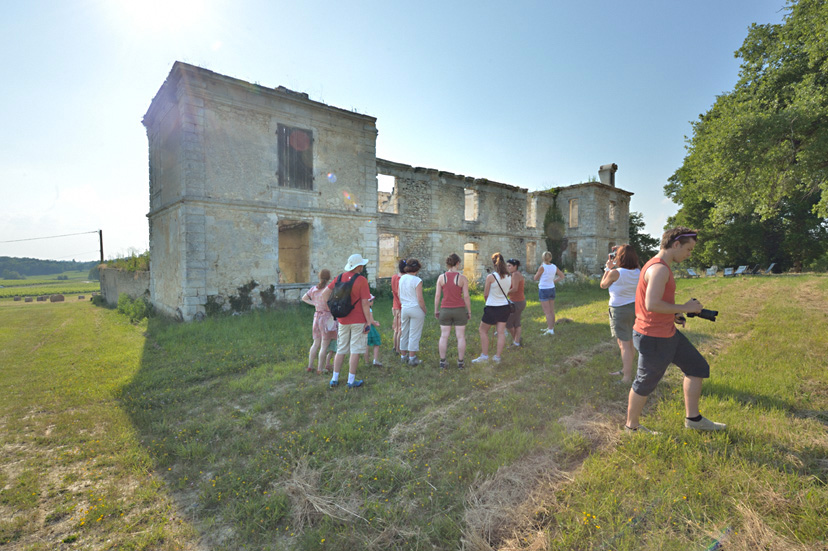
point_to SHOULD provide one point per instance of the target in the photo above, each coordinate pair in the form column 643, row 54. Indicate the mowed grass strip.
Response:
column 72, row 470
column 217, row 422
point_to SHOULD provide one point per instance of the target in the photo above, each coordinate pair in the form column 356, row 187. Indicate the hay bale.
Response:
column 17, row 298
column 42, row 298
column 56, row 298
column 81, row 297
column 27, row 299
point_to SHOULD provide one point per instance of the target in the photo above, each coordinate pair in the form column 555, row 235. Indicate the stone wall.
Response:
column 114, row 282
column 219, row 213
column 249, row 182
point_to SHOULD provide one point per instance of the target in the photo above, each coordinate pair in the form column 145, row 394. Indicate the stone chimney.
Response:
column 607, row 174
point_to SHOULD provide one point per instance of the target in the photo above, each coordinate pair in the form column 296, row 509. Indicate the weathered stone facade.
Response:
column 248, row 182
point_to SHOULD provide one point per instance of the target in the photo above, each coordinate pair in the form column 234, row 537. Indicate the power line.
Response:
column 76, row 255
column 50, row 237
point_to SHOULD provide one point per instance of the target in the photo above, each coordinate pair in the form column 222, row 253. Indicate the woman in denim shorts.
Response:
column 547, row 276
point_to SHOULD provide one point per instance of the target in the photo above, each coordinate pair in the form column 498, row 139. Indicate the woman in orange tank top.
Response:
column 518, row 298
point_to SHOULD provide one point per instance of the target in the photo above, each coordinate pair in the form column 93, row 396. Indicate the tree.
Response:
column 644, row 244
column 757, row 162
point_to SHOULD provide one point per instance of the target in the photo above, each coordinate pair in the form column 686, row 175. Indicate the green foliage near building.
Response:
column 755, row 178
column 644, row 244
column 554, row 228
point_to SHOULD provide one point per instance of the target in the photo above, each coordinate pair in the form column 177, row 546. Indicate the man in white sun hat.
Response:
column 349, row 297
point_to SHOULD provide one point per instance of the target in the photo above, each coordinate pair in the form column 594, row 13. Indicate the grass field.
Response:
column 211, row 435
column 76, row 283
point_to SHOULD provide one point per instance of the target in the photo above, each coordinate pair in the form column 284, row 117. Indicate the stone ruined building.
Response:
column 249, row 182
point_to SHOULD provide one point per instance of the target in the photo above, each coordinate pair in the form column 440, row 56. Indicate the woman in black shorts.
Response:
column 497, row 310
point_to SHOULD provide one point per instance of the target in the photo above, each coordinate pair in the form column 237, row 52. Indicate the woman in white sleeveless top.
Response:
column 547, row 276
column 621, row 278
column 497, row 310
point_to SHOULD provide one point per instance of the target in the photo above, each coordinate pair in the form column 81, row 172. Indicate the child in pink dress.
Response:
column 324, row 325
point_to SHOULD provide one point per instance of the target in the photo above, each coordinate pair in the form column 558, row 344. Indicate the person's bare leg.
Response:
column 692, row 395
column 338, row 360
column 635, row 405
column 323, row 352
column 314, row 349
column 627, row 357
column 501, row 337
column 460, row 333
column 442, row 345
column 484, row 338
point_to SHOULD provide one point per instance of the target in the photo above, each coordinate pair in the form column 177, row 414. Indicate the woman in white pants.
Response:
column 413, row 312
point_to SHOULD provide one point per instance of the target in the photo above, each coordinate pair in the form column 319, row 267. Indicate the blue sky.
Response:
column 532, row 94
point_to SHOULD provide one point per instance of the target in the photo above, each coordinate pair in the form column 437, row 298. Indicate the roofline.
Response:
column 179, row 68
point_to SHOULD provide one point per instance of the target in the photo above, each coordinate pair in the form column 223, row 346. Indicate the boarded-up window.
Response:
column 294, row 251
column 573, row 213
column 389, row 245
column 612, row 216
column 295, row 157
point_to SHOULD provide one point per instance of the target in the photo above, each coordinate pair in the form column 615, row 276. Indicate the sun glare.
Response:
column 163, row 15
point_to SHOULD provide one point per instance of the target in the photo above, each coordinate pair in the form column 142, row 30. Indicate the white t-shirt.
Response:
column 408, row 291
column 547, row 278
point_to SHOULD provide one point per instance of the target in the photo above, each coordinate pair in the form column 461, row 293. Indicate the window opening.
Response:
column 387, row 196
column 470, row 254
column 471, row 204
column 573, row 213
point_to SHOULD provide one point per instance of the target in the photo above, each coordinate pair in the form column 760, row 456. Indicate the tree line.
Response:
column 23, row 267
column 755, row 177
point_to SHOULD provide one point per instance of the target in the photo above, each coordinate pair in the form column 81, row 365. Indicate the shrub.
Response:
column 62, row 277
column 243, row 301
column 132, row 263
column 214, row 305
column 268, row 296
column 135, row 310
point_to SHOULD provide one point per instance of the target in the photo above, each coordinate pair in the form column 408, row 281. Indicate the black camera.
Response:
column 705, row 314
column 612, row 254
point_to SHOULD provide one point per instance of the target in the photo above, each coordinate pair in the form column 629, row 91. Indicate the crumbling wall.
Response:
column 226, row 205
column 114, row 282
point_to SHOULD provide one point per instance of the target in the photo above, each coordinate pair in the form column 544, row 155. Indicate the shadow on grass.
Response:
column 260, row 454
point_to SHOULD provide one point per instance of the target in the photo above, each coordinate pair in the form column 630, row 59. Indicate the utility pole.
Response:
column 100, row 237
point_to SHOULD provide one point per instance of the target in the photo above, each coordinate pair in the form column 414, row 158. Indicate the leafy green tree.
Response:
column 11, row 274
column 756, row 171
column 644, row 244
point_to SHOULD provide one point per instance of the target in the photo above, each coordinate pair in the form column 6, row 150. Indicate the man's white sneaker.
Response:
column 496, row 359
column 704, row 424
column 480, row 360
column 549, row 332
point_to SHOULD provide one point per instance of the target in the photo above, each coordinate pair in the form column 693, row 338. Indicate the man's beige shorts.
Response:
column 351, row 339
